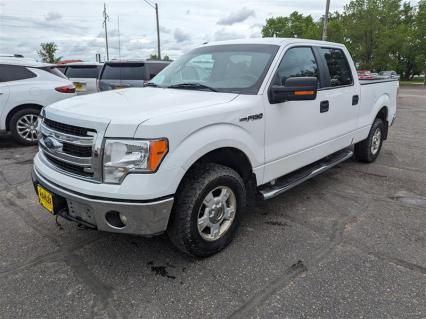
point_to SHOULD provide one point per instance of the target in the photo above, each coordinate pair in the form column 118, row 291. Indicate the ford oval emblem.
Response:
column 52, row 143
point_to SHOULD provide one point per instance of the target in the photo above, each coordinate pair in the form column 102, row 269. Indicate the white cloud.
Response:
column 52, row 16
column 237, row 16
column 181, row 36
column 76, row 26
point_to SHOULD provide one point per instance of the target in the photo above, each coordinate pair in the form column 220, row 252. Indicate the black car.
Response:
column 123, row 74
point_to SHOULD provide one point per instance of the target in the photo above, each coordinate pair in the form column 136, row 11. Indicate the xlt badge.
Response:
column 252, row 117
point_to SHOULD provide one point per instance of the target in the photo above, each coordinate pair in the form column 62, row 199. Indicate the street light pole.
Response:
column 158, row 32
column 155, row 7
column 324, row 30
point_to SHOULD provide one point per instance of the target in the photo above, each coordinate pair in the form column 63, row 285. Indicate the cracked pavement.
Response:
column 350, row 243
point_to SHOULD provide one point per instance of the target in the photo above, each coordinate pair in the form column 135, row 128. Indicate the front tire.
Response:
column 368, row 150
column 23, row 126
column 207, row 209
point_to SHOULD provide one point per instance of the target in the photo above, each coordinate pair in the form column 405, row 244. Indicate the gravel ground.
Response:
column 350, row 243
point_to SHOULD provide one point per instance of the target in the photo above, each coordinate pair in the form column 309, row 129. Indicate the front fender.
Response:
column 216, row 136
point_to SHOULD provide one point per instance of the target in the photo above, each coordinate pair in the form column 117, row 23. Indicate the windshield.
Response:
column 124, row 71
column 238, row 68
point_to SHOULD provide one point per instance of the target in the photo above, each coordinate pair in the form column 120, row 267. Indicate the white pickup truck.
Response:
column 225, row 120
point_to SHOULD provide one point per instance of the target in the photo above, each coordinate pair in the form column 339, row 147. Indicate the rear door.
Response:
column 342, row 94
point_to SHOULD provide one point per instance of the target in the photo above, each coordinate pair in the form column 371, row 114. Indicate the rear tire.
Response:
column 368, row 150
column 207, row 209
column 23, row 124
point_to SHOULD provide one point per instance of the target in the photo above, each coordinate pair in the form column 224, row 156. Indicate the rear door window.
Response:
column 14, row 73
column 82, row 71
column 338, row 67
column 54, row 71
column 124, row 71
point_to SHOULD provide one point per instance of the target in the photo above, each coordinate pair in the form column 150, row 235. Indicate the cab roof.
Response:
column 275, row 41
column 136, row 61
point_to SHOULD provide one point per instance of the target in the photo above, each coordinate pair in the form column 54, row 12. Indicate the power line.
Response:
column 150, row 4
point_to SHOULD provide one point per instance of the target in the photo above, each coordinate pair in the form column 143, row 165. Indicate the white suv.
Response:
column 26, row 87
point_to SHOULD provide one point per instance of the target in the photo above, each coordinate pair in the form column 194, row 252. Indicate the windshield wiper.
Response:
column 192, row 86
column 151, row 84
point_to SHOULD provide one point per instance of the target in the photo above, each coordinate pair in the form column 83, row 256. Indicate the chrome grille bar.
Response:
column 57, row 150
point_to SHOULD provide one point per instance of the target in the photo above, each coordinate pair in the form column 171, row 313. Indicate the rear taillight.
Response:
column 66, row 89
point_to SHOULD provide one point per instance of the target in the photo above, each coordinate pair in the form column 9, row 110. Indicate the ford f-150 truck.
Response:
column 225, row 120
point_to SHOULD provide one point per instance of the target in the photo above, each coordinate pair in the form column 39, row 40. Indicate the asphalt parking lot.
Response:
column 350, row 243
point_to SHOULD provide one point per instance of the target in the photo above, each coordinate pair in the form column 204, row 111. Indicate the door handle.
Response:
column 355, row 99
column 324, row 106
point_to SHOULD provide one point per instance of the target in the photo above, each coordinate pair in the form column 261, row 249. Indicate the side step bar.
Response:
column 295, row 178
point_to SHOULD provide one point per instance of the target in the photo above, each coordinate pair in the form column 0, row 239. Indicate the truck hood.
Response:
column 123, row 110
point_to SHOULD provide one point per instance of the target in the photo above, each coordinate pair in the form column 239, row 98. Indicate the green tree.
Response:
column 154, row 56
column 296, row 25
column 380, row 34
column 421, row 36
column 47, row 52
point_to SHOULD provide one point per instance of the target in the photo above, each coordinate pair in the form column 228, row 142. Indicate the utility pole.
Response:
column 119, row 40
column 158, row 32
column 155, row 7
column 106, row 18
column 324, row 30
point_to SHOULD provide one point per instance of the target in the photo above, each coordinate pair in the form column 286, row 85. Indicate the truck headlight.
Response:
column 122, row 157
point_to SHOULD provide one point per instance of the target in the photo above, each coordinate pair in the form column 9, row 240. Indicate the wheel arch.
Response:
column 383, row 115
column 17, row 109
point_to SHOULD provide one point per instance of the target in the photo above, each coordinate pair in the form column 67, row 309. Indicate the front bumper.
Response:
column 141, row 217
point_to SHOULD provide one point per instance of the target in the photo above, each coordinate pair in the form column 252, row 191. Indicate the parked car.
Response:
column 365, row 75
column 25, row 87
column 84, row 76
column 389, row 74
column 225, row 120
column 123, row 74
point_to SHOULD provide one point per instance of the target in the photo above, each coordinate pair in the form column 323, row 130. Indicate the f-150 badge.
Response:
column 253, row 117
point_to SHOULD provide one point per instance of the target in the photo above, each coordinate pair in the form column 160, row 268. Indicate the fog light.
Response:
column 123, row 218
column 115, row 219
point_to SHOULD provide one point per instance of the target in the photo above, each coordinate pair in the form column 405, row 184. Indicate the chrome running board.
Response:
column 295, row 178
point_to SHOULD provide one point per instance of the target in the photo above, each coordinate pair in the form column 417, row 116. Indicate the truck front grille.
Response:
column 68, row 167
column 67, row 129
column 77, row 150
column 71, row 149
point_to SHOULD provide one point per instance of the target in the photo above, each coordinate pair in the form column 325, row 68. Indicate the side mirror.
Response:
column 295, row 89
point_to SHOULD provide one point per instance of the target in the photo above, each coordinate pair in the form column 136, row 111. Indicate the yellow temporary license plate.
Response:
column 45, row 198
column 80, row 87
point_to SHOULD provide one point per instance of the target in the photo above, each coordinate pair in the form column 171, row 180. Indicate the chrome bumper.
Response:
column 141, row 218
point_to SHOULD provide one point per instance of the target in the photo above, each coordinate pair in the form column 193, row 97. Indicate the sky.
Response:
column 76, row 26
